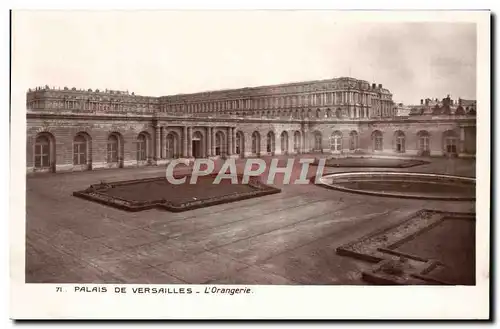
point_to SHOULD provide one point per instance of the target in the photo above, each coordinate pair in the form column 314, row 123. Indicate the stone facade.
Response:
column 71, row 129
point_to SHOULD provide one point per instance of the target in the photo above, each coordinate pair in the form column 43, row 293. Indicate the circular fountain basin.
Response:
column 403, row 185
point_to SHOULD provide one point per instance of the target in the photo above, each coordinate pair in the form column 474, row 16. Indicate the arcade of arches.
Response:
column 68, row 149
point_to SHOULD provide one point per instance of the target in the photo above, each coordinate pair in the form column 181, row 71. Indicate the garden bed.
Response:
column 158, row 192
column 429, row 247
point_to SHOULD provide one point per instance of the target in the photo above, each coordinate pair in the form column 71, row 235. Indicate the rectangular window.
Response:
column 45, row 160
column 378, row 144
column 79, row 154
column 317, row 143
column 141, row 151
column 451, row 146
column 42, row 155
column 424, row 143
column 38, row 150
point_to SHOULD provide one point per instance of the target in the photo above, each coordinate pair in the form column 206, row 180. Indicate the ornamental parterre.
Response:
column 158, row 192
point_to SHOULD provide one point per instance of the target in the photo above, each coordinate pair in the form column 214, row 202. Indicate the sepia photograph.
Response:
column 216, row 152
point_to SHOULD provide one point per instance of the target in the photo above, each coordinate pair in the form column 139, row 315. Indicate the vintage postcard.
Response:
column 305, row 164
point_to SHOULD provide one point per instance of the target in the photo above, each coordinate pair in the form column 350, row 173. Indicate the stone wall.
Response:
column 61, row 129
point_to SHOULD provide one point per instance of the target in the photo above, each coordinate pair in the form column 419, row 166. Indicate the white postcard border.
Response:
column 268, row 302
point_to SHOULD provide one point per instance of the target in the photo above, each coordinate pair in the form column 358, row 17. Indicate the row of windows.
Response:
column 275, row 102
column 81, row 145
column 81, row 150
column 328, row 113
column 311, row 114
column 89, row 105
column 113, row 148
column 423, row 142
column 336, row 140
column 271, row 143
column 304, row 113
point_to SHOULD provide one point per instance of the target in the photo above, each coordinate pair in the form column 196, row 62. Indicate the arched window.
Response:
column 284, row 142
column 328, row 113
column 198, row 145
column 400, row 141
column 141, row 153
column 423, row 142
column 270, row 142
column 338, row 113
column 112, row 149
column 80, row 150
column 353, row 140
column 318, row 141
column 378, row 141
column 42, row 152
column 219, row 137
column 239, row 143
column 296, row 142
column 172, row 146
column 318, row 113
column 255, row 143
column 336, row 141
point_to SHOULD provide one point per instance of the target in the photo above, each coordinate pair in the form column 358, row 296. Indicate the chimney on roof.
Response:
column 421, row 102
column 374, row 85
column 380, row 86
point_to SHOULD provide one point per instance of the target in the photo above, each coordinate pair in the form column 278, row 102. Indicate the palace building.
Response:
column 73, row 129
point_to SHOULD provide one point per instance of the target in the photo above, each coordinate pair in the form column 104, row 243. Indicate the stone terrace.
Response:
column 285, row 238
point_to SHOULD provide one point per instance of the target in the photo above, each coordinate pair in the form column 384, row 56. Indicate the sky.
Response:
column 156, row 53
